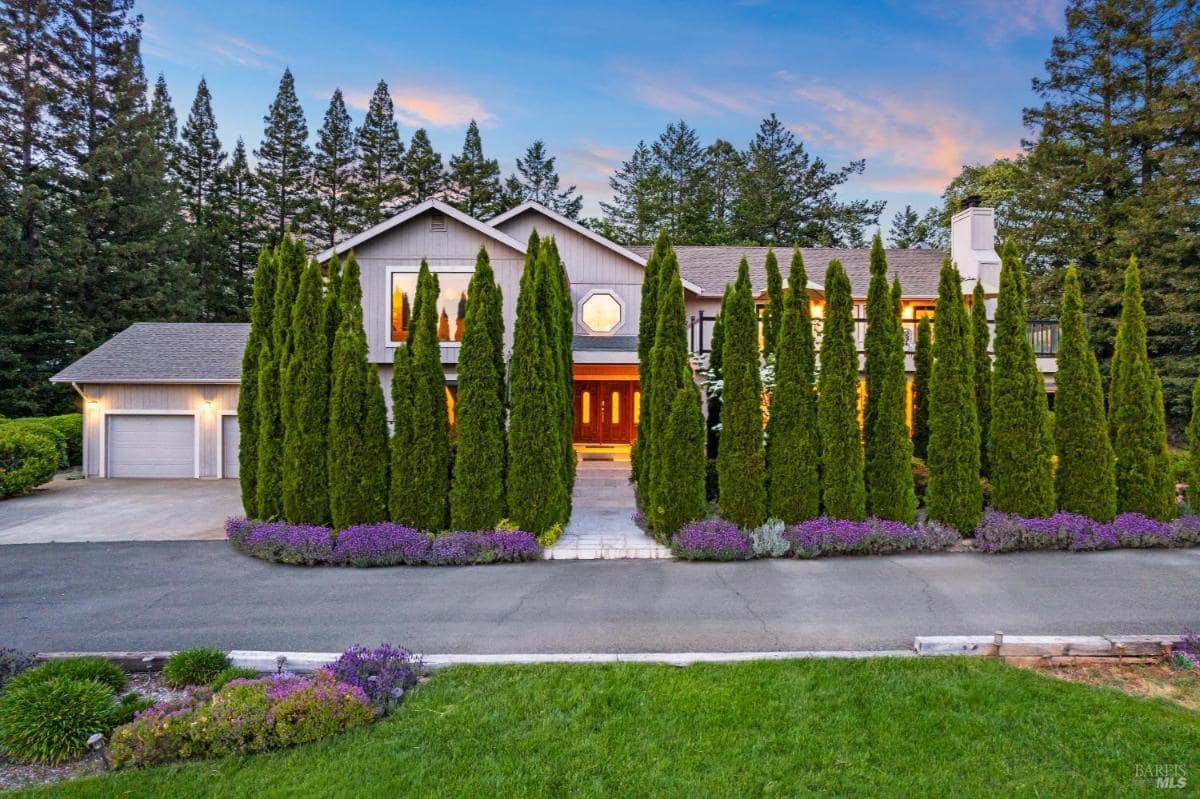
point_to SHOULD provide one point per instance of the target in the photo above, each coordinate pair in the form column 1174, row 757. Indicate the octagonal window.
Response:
column 601, row 312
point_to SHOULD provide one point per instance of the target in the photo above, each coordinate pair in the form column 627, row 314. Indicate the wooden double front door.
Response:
column 606, row 411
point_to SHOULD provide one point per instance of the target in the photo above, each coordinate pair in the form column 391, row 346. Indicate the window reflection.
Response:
column 451, row 304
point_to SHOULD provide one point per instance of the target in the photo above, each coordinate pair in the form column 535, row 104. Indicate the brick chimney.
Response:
column 973, row 246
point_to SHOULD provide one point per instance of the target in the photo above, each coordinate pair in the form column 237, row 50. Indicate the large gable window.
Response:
column 451, row 304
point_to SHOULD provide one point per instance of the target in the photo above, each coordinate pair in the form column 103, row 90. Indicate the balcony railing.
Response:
column 1043, row 334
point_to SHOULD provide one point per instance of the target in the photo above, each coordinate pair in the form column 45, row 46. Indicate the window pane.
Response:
column 586, row 403
column 637, row 407
column 616, row 407
column 451, row 304
column 601, row 313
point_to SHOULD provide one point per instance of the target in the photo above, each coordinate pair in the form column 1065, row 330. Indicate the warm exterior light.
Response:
column 93, row 404
column 208, row 405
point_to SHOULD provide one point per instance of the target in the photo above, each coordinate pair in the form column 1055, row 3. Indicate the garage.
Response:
column 231, row 436
column 151, row 445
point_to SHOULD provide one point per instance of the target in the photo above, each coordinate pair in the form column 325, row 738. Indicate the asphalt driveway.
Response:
column 120, row 510
column 168, row 595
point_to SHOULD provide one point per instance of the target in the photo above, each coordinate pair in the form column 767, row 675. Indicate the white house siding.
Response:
column 405, row 246
column 105, row 399
column 590, row 267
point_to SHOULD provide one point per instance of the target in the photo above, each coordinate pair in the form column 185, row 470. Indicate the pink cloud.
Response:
column 679, row 94
column 417, row 106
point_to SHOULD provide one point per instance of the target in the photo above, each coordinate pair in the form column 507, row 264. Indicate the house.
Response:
column 160, row 400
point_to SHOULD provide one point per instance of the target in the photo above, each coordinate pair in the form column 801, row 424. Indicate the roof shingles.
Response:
column 164, row 352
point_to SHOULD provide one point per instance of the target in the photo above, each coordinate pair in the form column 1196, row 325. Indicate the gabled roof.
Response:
column 713, row 267
column 530, row 205
column 412, row 213
column 164, row 352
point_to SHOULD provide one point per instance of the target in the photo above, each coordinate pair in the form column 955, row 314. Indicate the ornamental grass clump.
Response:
column 50, row 721
column 76, row 668
column 384, row 673
column 712, row 539
column 12, row 663
column 196, row 666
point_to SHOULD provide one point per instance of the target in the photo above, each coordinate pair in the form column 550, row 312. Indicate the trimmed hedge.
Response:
column 28, row 459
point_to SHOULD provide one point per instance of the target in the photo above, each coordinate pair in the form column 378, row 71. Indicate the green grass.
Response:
column 880, row 727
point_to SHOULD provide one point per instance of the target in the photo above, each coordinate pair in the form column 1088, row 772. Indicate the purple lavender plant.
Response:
column 383, row 673
column 1136, row 530
column 712, row 539
column 382, row 544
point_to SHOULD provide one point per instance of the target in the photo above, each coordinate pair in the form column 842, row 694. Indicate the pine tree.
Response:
column 922, row 369
column 1085, row 481
column 242, row 224
column 166, row 123
column 474, row 180
column 539, row 182
column 427, row 465
column 1019, row 456
column 357, row 462
column 1193, row 435
column 954, row 495
column 261, row 312
column 199, row 165
column 981, row 339
column 333, row 169
column 477, row 492
column 306, row 428
column 741, row 460
column 670, row 373
column 1143, row 480
column 379, row 183
column 283, row 159
column 772, row 316
column 911, row 231
column 536, row 495
column 636, row 210
column 647, row 329
column 793, row 440
column 843, row 493
column 424, row 175
column 717, row 345
column 888, row 465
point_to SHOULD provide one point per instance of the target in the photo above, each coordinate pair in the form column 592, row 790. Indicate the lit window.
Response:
column 601, row 312
column 637, row 407
column 616, row 407
column 586, row 402
column 451, row 304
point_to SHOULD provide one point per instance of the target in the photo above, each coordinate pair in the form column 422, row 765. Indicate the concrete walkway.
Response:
column 601, row 526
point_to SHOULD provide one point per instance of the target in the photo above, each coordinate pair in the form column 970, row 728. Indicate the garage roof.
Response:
column 164, row 352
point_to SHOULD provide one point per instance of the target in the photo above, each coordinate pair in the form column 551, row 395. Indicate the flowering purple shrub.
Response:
column 712, row 539
column 826, row 536
column 383, row 673
column 1187, row 655
column 380, row 544
column 1002, row 532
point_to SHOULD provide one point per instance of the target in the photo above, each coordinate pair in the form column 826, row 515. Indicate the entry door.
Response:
column 604, row 411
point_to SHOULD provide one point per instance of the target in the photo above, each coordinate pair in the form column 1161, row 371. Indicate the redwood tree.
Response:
column 741, row 460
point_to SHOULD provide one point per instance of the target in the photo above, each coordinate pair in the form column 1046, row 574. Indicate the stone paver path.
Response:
column 601, row 525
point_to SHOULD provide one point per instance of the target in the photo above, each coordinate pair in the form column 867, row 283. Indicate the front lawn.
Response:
column 879, row 727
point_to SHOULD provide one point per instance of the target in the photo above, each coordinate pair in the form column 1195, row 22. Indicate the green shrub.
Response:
column 27, row 460
column 128, row 707
column 38, row 425
column 71, row 427
column 550, row 536
column 920, row 473
column 81, row 668
column 232, row 673
column 51, row 721
column 198, row 666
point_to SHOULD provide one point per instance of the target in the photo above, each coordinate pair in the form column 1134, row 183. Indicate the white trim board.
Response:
column 412, row 213
column 220, row 443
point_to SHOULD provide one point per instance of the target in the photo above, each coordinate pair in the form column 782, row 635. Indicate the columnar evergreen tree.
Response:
column 261, row 311
column 922, row 369
column 306, row 427
column 290, row 266
column 981, row 339
column 741, row 460
column 679, row 484
column 888, row 465
column 536, row 494
column 199, row 165
column 793, row 439
column 954, row 495
column 1085, row 481
column 379, row 183
column 474, row 180
column 1193, row 433
column 715, row 372
column 427, row 465
column 268, row 483
column 647, row 329
column 332, row 310
column 1143, row 477
column 1019, row 456
column 560, row 325
column 357, row 458
column 772, row 316
column 477, row 491
column 283, row 159
column 333, row 163
column 423, row 173
column 843, row 492
column 401, row 503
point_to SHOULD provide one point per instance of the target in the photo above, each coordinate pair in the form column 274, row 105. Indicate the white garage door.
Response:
column 151, row 446
column 231, row 434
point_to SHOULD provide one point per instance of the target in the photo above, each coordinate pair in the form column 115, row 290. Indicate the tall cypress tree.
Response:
column 332, row 311
column 1019, row 456
column 357, row 462
column 680, row 470
column 427, row 465
column 1085, row 481
column 1143, row 480
column 401, row 504
column 535, row 489
column 283, row 159
column 954, row 495
column 333, row 168
column 269, row 478
column 477, row 492
column 557, row 309
column 772, row 316
column 981, row 339
column 647, row 328
column 793, row 440
column 717, row 345
column 843, row 492
column 1193, row 433
column 741, row 461
column 261, row 310
column 922, row 369
column 671, row 373
column 379, row 180
column 306, row 428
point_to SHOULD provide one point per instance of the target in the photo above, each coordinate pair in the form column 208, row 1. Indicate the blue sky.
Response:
column 916, row 88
